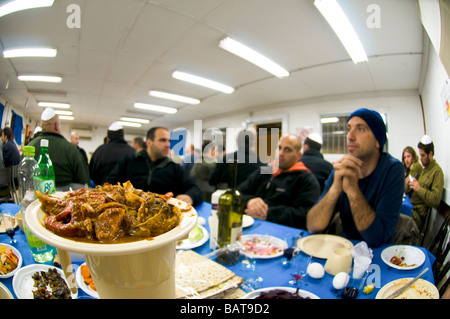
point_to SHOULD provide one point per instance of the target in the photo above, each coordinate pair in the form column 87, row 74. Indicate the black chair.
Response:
column 426, row 227
column 8, row 190
column 5, row 182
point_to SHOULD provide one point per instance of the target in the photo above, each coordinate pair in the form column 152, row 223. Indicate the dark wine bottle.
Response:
column 229, row 214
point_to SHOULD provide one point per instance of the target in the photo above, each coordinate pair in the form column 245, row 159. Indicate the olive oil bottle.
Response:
column 229, row 214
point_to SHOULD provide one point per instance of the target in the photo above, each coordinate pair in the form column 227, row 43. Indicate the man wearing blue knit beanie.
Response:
column 366, row 186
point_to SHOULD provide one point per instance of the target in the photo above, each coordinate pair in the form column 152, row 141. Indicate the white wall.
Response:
column 403, row 110
column 437, row 126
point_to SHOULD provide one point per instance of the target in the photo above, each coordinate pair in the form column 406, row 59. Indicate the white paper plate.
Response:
column 19, row 263
column 189, row 244
column 82, row 285
column 5, row 293
column 302, row 293
column 414, row 257
column 23, row 282
column 322, row 246
column 421, row 289
column 262, row 246
column 247, row 221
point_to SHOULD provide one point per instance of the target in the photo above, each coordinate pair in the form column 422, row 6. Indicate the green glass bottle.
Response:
column 229, row 214
column 43, row 173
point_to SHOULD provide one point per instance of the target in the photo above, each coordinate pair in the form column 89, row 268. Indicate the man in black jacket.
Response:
column 107, row 155
column 313, row 159
column 247, row 159
column 152, row 170
column 285, row 196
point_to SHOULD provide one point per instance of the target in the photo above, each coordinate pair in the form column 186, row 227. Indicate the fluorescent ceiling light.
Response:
column 157, row 108
column 19, row 5
column 174, row 97
column 59, row 112
column 329, row 120
column 55, row 105
column 129, row 124
column 40, row 78
column 132, row 119
column 252, row 56
column 202, row 81
column 30, row 52
column 69, row 118
column 337, row 19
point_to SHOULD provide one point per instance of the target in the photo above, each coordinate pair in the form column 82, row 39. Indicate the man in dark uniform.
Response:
column 313, row 159
column 107, row 155
column 153, row 170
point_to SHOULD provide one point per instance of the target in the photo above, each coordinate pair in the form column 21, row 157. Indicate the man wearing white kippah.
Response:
column 70, row 168
column 427, row 190
column 107, row 155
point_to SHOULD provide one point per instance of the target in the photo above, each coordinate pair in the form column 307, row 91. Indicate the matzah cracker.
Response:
column 195, row 274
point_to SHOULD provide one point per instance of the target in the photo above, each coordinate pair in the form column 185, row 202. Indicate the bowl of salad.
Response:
column 10, row 260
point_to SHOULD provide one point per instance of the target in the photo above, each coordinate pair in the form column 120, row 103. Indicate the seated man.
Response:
column 152, row 170
column 285, row 196
column 427, row 189
column 313, row 159
column 366, row 186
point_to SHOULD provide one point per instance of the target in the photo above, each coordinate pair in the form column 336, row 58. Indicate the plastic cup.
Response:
column 360, row 265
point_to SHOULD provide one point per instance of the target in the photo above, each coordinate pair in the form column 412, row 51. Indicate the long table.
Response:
column 272, row 271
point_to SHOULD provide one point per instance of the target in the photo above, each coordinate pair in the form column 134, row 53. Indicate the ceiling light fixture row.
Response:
column 330, row 9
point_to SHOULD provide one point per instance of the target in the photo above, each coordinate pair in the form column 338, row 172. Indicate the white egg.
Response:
column 340, row 280
column 315, row 270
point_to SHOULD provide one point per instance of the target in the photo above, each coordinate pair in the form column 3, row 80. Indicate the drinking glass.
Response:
column 299, row 267
column 8, row 223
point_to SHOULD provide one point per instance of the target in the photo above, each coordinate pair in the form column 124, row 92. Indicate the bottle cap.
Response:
column 28, row 150
column 44, row 142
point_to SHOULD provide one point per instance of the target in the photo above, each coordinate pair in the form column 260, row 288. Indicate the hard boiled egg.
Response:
column 340, row 280
column 315, row 270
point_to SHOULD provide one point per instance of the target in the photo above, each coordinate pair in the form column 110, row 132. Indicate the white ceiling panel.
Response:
column 124, row 48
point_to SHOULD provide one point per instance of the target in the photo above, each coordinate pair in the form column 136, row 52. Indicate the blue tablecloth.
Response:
column 407, row 206
column 275, row 274
column 271, row 270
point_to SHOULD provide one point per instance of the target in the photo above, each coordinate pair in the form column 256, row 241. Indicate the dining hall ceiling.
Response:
column 121, row 49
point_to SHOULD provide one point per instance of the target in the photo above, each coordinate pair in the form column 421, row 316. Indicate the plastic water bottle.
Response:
column 41, row 251
column 44, row 174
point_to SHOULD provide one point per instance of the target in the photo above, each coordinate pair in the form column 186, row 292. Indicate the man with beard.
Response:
column 366, row 186
column 427, row 190
column 151, row 169
column 286, row 195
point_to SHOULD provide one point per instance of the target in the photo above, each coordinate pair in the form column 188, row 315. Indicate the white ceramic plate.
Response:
column 189, row 244
column 322, row 246
column 19, row 263
column 247, row 221
column 82, row 285
column 421, row 289
column 413, row 256
column 262, row 246
column 5, row 293
column 302, row 293
column 23, row 282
